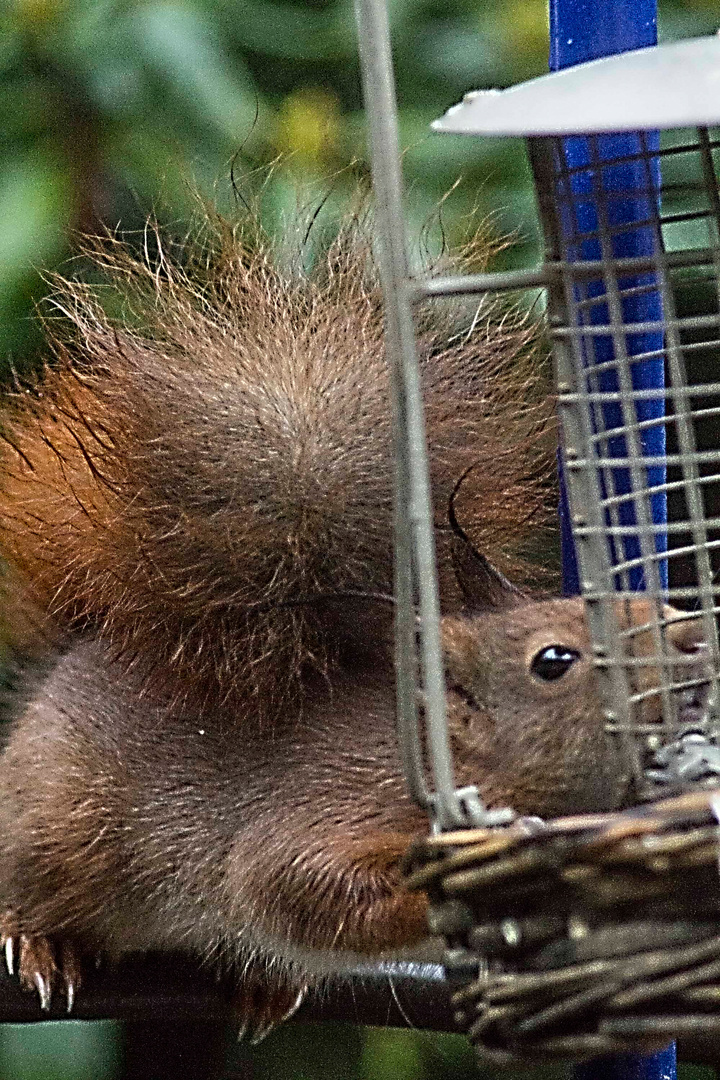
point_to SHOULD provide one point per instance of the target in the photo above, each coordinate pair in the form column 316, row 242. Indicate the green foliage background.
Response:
column 116, row 109
column 112, row 109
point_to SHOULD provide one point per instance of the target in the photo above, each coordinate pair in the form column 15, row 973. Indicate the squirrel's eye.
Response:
column 553, row 662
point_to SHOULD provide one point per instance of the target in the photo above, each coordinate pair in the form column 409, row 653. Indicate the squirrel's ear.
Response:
column 483, row 587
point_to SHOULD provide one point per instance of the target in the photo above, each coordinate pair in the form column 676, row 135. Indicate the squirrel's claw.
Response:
column 9, row 940
column 44, row 989
column 8, row 943
column 71, row 968
column 37, row 969
column 262, row 1004
column 40, row 966
column 262, row 1030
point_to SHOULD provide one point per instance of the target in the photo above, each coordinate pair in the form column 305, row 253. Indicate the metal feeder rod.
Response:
column 415, row 570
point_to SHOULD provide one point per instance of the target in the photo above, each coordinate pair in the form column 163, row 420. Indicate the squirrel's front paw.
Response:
column 41, row 964
column 261, row 1003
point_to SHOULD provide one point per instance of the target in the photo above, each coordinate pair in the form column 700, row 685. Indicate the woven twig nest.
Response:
column 581, row 936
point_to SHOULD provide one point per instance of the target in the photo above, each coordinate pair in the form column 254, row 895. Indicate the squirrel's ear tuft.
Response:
column 482, row 586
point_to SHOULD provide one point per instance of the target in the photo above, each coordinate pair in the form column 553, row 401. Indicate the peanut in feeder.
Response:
column 596, row 934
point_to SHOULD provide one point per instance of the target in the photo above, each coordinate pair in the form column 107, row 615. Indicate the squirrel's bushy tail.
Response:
column 194, row 479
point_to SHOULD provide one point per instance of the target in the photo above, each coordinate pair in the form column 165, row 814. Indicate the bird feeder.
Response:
column 599, row 933
column 631, row 226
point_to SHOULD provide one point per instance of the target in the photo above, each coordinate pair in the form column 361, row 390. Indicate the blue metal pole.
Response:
column 660, row 1066
column 583, row 30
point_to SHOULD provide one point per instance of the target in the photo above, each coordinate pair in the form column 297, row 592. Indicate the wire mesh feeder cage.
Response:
column 599, row 933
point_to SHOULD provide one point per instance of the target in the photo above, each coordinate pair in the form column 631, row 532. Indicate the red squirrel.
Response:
column 197, row 499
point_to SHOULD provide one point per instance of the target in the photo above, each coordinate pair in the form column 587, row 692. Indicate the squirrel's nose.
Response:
column 688, row 637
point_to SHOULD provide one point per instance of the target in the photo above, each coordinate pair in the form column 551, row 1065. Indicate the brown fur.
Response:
column 181, row 487
column 202, row 505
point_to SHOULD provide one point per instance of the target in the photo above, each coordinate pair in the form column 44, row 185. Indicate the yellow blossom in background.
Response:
column 31, row 14
column 525, row 25
column 309, row 125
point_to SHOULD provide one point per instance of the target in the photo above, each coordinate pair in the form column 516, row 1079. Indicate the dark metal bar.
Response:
column 510, row 280
column 415, row 567
column 413, row 522
column 174, row 990
column 173, row 993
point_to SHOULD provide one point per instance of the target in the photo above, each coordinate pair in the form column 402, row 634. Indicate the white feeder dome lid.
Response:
column 666, row 86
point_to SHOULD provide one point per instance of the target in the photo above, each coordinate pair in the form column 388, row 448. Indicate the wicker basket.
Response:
column 581, row 936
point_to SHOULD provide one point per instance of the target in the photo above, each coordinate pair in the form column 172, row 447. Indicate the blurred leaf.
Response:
column 180, row 45
column 455, row 52
column 35, row 208
column 391, row 1055
column 27, row 113
column 118, row 86
column 10, row 44
column 292, row 31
